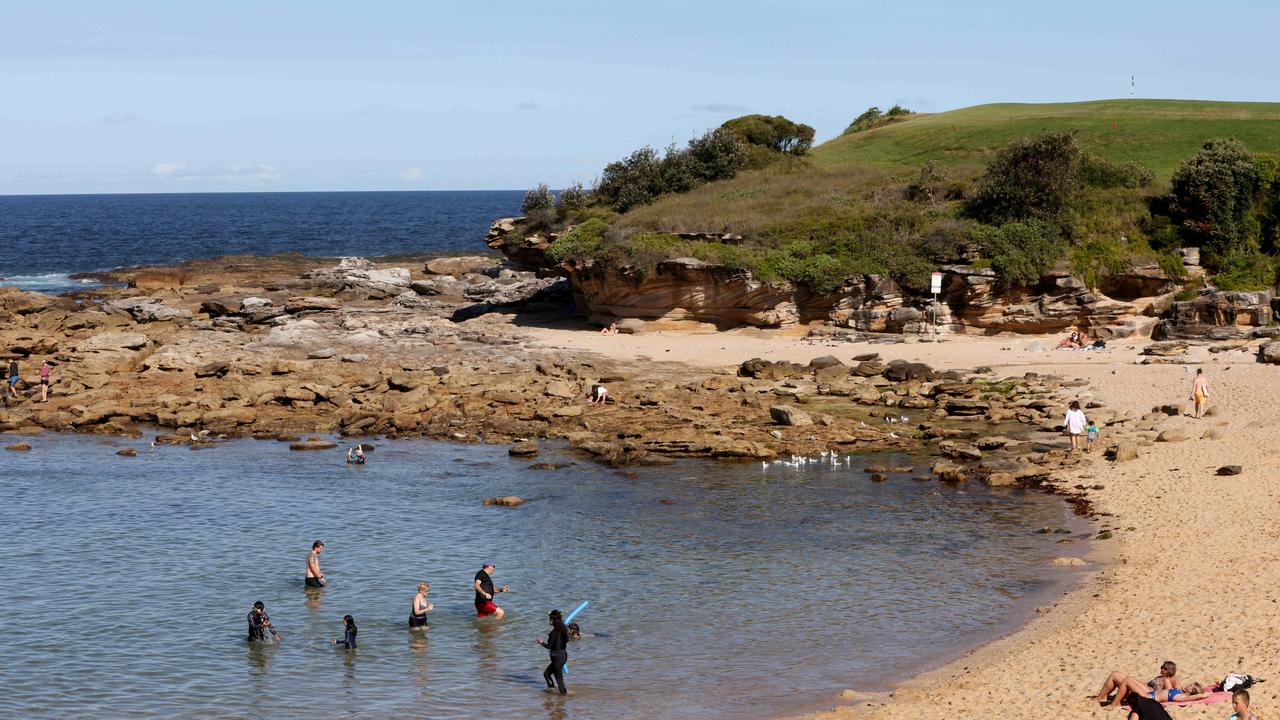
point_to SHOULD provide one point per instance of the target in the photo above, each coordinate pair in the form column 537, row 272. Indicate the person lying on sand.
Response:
column 1122, row 685
column 1073, row 342
column 611, row 330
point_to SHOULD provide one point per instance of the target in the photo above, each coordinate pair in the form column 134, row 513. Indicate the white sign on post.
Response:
column 935, row 285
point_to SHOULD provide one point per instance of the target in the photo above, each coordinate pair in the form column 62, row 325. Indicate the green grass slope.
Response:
column 1155, row 133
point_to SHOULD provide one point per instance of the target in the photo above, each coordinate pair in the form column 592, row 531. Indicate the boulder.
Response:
column 127, row 452
column 313, row 444
column 354, row 358
column 1173, row 435
column 995, row 442
column 825, row 361
column 1270, row 353
column 1124, row 451
column 437, row 286
column 407, row 381
column 507, row 501
column 109, row 341
column 146, row 309
column 460, row 265
column 901, row 371
column 320, row 354
column 959, row 406
column 788, row 415
column 296, row 305
column 356, row 275
column 1230, row 470
column 868, row 368
column 1165, row 349
column 525, row 448
column 19, row 447
column 959, row 450
column 1068, row 561
column 1000, row 479
column 560, row 389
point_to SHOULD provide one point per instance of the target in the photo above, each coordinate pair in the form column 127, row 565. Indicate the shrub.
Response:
column 643, row 176
column 539, row 198
column 1212, row 201
column 1021, row 252
column 642, row 253
column 873, row 118
column 1096, row 259
column 1028, row 179
column 929, row 185
column 1246, row 271
column 582, row 244
column 1102, row 173
column 773, row 132
column 571, row 200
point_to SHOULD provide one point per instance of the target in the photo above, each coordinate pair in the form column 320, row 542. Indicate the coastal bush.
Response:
column 1021, row 252
column 537, row 199
column 1102, row 173
column 1028, row 179
column 873, row 118
column 775, row 133
column 1243, row 271
column 1211, row 201
column 644, row 175
column 1096, row 259
column 571, row 200
column 582, row 244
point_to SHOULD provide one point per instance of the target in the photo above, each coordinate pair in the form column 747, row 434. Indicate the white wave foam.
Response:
column 47, row 282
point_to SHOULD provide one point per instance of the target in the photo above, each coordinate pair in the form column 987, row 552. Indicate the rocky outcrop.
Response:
column 147, row 309
column 1217, row 315
column 360, row 278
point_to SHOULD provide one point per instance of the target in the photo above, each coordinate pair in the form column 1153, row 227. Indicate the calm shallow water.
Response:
column 724, row 590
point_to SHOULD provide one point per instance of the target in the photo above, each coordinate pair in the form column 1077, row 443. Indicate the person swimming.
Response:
column 349, row 633
column 418, row 612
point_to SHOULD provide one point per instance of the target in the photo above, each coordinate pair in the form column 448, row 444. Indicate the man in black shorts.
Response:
column 315, row 576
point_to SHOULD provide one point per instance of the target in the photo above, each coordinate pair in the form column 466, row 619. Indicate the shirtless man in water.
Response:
column 315, row 576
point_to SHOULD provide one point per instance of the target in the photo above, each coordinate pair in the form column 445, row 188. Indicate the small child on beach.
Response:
column 1091, row 435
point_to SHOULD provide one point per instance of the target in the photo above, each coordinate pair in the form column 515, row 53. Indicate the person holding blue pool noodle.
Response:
column 557, row 644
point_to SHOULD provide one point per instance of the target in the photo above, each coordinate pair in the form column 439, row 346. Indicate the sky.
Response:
column 124, row 97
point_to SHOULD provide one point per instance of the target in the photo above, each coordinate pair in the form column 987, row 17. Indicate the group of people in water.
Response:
column 556, row 642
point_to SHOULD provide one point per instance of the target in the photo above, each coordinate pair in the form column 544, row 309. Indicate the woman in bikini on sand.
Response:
column 1123, row 685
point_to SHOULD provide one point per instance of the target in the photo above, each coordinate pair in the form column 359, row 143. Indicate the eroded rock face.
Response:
column 359, row 276
column 147, row 309
column 1217, row 315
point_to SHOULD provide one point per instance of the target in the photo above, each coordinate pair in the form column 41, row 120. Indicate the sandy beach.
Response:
column 1191, row 577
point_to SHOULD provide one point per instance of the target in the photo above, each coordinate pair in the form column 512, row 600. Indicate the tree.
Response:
column 774, row 132
column 873, row 118
column 643, row 176
column 1027, row 179
column 717, row 155
column 631, row 181
column 1212, row 196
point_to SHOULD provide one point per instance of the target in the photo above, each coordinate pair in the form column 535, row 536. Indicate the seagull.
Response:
column 903, row 418
column 194, row 438
column 763, row 466
column 893, row 435
column 153, row 444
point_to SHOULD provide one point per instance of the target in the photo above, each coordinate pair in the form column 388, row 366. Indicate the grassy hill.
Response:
column 852, row 204
column 1155, row 133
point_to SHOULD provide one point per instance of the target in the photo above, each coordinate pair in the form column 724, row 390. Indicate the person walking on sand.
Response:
column 13, row 377
column 418, row 612
column 485, row 593
column 45, row 372
column 315, row 576
column 557, row 644
column 1075, row 423
column 1200, row 391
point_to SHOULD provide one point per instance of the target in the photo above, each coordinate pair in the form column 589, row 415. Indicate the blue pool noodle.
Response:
column 572, row 615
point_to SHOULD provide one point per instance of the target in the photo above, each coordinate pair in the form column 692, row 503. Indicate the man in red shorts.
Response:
column 485, row 592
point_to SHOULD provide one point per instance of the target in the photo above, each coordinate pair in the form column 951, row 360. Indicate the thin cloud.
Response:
column 119, row 118
column 165, row 169
column 528, row 105
column 719, row 108
column 412, row 174
column 255, row 172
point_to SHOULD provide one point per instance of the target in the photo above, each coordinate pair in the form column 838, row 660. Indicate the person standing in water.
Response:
column 418, row 613
column 356, row 455
column 1200, row 391
column 315, row 576
column 13, row 377
column 485, row 593
column 348, row 634
column 557, row 644
column 45, row 372
column 260, row 623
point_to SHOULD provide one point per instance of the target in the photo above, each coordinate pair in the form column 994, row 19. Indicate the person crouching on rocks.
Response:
column 597, row 395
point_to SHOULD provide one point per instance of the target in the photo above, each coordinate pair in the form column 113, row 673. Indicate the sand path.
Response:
column 1196, row 580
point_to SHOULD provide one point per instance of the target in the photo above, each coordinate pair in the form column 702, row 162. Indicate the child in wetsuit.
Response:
column 349, row 633
column 260, row 623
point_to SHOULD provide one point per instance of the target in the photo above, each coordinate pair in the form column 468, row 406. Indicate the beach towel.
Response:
column 1214, row 697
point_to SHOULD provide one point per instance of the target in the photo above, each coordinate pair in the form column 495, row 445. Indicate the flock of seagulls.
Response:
column 825, row 458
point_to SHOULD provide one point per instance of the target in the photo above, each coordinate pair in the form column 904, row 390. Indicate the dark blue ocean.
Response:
column 45, row 238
